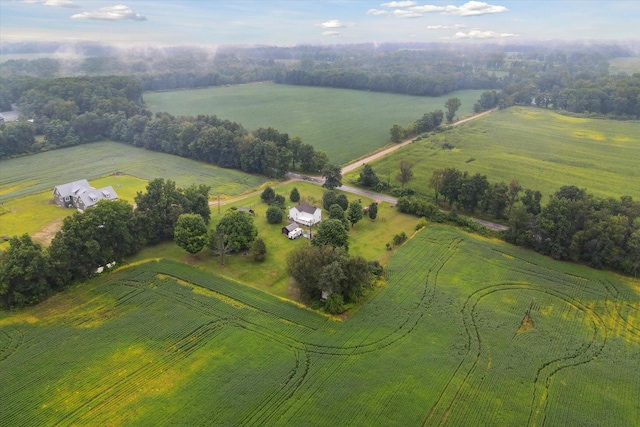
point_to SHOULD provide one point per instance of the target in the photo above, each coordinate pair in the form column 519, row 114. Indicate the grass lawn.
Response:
column 347, row 124
column 271, row 275
column 43, row 171
column 543, row 150
column 37, row 215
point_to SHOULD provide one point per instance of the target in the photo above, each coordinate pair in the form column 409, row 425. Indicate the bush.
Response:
column 376, row 268
column 334, row 304
column 399, row 238
column 279, row 200
column 274, row 215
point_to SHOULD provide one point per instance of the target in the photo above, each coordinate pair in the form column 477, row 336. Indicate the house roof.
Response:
column 91, row 196
column 291, row 227
column 73, row 188
column 305, row 207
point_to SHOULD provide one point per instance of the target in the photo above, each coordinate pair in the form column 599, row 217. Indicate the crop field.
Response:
column 468, row 331
column 347, row 124
column 43, row 171
column 627, row 65
column 543, row 150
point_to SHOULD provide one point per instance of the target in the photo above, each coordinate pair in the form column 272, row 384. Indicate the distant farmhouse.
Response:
column 80, row 195
column 9, row 116
column 305, row 214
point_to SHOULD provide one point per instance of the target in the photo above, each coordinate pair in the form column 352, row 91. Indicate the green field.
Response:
column 467, row 331
column 347, row 124
column 543, row 150
column 41, row 172
column 627, row 65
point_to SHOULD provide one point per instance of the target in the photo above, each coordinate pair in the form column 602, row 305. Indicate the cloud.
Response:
column 112, row 13
column 334, row 23
column 62, row 3
column 477, row 34
column 395, row 4
column 474, row 8
column 401, row 13
column 331, row 33
column 444, row 27
column 377, row 12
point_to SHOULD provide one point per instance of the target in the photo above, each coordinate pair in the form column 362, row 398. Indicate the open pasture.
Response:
column 468, row 331
column 347, row 124
column 43, row 171
column 543, row 150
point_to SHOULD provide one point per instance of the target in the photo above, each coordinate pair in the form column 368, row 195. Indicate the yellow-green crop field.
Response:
column 347, row 124
column 43, row 171
column 468, row 331
column 543, row 150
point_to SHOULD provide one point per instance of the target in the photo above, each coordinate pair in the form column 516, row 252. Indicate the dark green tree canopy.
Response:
column 23, row 272
column 368, row 177
column 373, row 210
column 239, row 229
column 268, row 195
column 294, row 196
column 332, row 175
column 354, row 214
column 274, row 215
column 191, row 233
column 452, row 105
column 329, row 198
column 331, row 233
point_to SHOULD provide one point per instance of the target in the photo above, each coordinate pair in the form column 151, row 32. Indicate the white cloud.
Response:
column 331, row 33
column 395, row 4
column 400, row 13
column 428, row 8
column 477, row 34
column 444, row 27
column 62, row 3
column 377, row 12
column 334, row 23
column 112, row 13
column 472, row 8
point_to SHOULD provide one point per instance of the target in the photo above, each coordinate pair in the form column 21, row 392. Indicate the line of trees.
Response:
column 108, row 232
column 73, row 111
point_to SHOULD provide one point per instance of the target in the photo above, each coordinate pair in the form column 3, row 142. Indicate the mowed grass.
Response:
column 37, row 214
column 43, row 171
column 367, row 239
column 543, row 150
column 347, row 124
column 162, row 343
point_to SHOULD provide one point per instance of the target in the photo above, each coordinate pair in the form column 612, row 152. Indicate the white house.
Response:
column 305, row 214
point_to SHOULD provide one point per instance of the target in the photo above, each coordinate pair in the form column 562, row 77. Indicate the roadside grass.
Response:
column 542, row 149
column 37, row 215
column 347, row 124
column 43, row 171
column 367, row 239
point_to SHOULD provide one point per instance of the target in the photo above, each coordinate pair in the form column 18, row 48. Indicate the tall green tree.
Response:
column 191, row 233
column 23, row 272
column 406, row 174
column 159, row 208
column 332, row 175
column 354, row 214
column 373, row 210
column 435, row 182
column 238, row 227
column 452, row 105
column 294, row 196
column 331, row 233
column 368, row 177
column 329, row 198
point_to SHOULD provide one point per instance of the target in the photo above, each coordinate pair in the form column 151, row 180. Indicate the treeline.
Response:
column 573, row 225
column 72, row 111
column 89, row 241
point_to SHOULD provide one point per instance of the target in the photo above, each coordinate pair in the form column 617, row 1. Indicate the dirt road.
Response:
column 352, row 166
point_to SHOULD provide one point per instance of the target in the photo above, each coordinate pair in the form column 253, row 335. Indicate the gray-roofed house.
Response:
column 305, row 214
column 80, row 195
column 289, row 228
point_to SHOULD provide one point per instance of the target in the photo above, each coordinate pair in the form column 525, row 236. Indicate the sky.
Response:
column 292, row 22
